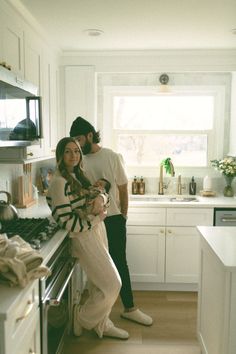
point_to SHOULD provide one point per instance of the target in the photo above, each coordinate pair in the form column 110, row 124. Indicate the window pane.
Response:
column 149, row 150
column 169, row 112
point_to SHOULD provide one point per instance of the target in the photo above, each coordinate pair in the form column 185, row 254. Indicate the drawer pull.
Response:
column 169, row 232
column 30, row 154
column 29, row 308
column 32, row 351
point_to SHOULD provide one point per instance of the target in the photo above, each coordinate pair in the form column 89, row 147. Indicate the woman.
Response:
column 67, row 193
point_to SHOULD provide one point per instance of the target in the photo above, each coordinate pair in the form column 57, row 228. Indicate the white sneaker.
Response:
column 77, row 328
column 138, row 316
column 116, row 332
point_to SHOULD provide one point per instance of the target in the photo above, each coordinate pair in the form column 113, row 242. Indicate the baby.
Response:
column 94, row 200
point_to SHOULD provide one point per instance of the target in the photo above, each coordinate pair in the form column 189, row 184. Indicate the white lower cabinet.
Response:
column 20, row 326
column 146, row 253
column 30, row 343
column 182, row 255
column 163, row 244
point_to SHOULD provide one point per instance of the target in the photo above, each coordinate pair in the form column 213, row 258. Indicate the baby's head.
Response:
column 103, row 183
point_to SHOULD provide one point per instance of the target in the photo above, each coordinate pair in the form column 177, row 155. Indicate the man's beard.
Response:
column 87, row 148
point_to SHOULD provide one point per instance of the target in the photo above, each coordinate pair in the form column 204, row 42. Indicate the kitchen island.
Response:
column 217, row 290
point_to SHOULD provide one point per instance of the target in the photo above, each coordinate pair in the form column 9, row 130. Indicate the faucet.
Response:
column 179, row 185
column 167, row 163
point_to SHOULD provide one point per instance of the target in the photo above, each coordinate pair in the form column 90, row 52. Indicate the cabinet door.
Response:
column 33, row 60
column 50, row 108
column 30, row 343
column 146, row 253
column 182, row 255
column 12, row 45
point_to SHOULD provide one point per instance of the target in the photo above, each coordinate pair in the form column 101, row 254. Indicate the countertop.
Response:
column 159, row 201
column 222, row 241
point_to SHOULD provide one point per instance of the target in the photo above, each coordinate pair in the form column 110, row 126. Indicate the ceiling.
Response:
column 137, row 24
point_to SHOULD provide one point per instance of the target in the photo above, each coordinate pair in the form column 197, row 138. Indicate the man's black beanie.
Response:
column 81, row 126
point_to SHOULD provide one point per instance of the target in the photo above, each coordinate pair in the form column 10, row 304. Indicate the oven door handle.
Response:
column 56, row 301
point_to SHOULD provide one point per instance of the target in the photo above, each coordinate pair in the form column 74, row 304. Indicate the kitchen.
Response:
column 67, row 80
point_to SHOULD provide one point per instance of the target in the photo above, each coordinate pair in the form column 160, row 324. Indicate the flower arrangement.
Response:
column 227, row 166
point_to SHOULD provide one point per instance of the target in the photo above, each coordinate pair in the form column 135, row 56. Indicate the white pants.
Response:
column 91, row 248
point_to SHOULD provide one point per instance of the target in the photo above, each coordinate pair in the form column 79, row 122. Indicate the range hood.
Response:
column 13, row 85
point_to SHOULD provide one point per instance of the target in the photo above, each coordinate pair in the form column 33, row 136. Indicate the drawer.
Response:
column 29, row 341
column 21, row 315
column 189, row 217
column 146, row 216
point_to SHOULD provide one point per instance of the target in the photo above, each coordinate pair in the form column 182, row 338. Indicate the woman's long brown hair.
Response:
column 79, row 184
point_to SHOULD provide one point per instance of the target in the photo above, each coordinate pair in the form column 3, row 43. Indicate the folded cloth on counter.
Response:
column 3, row 243
column 13, row 272
column 19, row 263
column 39, row 272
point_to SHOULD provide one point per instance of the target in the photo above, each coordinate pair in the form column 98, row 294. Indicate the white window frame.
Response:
column 216, row 136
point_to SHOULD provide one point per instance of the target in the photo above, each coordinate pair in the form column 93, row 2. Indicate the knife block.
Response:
column 25, row 189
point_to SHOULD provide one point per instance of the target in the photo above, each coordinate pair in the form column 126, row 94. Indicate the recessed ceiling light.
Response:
column 93, row 32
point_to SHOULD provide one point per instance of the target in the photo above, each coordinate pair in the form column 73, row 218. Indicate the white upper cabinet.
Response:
column 50, row 105
column 32, row 59
column 12, row 44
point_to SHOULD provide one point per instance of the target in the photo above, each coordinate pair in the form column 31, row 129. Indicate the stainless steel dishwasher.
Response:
column 225, row 217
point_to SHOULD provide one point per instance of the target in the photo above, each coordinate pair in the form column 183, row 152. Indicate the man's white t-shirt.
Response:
column 106, row 163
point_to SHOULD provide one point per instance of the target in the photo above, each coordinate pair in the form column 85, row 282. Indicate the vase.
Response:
column 228, row 190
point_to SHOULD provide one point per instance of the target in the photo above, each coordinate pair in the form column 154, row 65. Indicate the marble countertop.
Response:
column 222, row 241
column 151, row 200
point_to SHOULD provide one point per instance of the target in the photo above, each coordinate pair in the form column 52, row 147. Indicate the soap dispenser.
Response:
column 135, row 186
column 192, row 187
column 141, row 186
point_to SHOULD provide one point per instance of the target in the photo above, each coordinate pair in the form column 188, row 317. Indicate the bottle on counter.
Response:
column 135, row 186
column 141, row 186
column 192, row 187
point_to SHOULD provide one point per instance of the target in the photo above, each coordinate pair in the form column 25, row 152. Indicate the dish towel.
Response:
column 19, row 263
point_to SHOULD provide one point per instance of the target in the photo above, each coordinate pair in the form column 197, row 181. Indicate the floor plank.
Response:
column 173, row 330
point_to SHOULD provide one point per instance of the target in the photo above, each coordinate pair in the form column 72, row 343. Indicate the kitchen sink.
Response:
column 149, row 198
column 184, row 199
column 162, row 198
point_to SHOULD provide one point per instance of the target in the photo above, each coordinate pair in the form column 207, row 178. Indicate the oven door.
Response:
column 56, row 304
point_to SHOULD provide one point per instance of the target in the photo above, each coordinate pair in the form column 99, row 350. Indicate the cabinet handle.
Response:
column 32, row 351
column 169, row 232
column 162, row 231
column 30, row 154
column 228, row 219
column 29, row 308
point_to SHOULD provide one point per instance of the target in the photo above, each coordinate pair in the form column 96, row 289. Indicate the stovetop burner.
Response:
column 35, row 231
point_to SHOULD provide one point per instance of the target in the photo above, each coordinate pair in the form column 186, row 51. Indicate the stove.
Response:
column 35, row 231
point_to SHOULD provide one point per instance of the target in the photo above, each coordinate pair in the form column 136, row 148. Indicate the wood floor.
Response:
column 173, row 330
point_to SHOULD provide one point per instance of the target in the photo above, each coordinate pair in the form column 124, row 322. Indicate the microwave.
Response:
column 20, row 111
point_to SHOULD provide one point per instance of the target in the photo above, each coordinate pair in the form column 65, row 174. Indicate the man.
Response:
column 99, row 163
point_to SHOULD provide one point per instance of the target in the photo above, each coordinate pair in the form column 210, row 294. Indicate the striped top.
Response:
column 63, row 205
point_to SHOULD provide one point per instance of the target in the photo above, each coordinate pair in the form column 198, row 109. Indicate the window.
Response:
column 146, row 126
